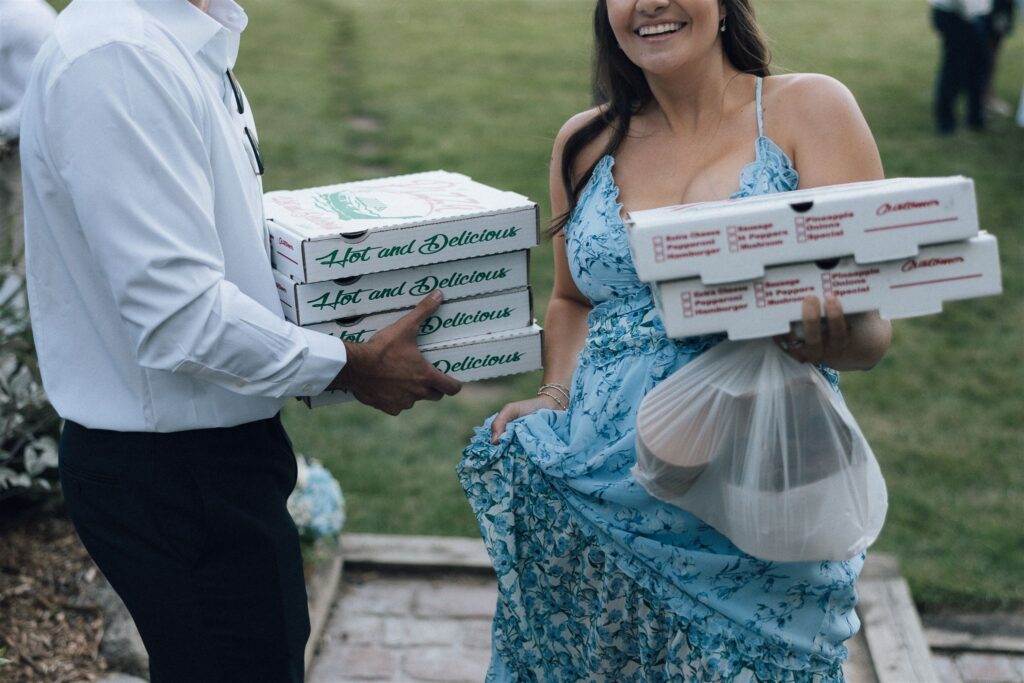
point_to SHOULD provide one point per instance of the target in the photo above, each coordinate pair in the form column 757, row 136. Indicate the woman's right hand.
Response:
column 514, row 411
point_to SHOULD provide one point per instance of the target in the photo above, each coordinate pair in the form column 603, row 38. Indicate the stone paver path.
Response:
column 979, row 667
column 407, row 627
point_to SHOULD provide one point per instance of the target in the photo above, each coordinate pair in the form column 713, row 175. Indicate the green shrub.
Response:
column 28, row 424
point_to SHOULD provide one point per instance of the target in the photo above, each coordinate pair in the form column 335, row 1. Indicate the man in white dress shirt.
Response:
column 24, row 25
column 161, row 340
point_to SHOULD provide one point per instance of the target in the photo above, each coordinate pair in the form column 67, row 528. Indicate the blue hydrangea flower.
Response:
column 316, row 505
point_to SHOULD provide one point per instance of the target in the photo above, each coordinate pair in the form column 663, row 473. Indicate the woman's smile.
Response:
column 660, row 31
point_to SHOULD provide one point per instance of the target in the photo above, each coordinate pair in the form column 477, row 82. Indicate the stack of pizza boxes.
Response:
column 351, row 259
column 901, row 247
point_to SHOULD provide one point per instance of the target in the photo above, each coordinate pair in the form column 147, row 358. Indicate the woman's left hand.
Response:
column 825, row 341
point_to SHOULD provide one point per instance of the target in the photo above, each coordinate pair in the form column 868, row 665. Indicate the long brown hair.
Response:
column 621, row 88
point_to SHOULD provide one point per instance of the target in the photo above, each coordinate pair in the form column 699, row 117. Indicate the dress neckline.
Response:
column 770, row 162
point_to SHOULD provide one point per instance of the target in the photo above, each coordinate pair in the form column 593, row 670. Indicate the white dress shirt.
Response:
column 150, row 289
column 24, row 25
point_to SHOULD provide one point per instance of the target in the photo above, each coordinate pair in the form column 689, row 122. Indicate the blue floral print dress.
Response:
column 599, row 581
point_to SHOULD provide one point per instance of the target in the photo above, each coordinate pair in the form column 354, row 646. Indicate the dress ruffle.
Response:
column 771, row 169
column 615, row 618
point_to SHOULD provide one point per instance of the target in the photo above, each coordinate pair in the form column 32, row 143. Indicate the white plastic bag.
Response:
column 763, row 449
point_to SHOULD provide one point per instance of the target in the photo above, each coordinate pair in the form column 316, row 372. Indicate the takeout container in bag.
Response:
column 762, row 448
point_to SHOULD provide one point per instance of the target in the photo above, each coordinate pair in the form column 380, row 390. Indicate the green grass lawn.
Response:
column 347, row 89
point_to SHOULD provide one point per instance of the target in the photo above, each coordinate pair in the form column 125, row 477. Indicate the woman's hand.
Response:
column 854, row 342
column 821, row 342
column 514, row 411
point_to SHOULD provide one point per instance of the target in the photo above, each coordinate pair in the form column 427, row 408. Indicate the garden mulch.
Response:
column 47, row 633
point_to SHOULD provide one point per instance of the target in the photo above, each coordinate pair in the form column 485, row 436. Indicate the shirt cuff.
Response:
column 323, row 362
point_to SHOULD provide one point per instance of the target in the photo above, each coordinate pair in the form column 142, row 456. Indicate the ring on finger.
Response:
column 790, row 345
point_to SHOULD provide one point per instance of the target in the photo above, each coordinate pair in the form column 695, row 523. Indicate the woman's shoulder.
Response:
column 594, row 149
column 816, row 120
column 799, row 99
column 808, row 88
column 801, row 106
column 577, row 121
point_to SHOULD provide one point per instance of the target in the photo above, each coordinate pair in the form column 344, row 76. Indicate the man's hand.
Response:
column 389, row 372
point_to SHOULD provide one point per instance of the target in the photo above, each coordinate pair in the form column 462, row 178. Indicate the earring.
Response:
column 721, row 25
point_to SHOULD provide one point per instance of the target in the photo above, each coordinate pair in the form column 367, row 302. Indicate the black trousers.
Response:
column 964, row 68
column 192, row 531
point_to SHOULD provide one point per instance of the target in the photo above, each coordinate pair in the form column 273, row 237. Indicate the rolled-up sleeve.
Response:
column 134, row 157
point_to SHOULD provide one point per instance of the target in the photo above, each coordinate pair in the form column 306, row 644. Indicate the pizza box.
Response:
column 470, row 359
column 335, row 231
column 734, row 240
column 317, row 302
column 765, row 307
column 455, row 319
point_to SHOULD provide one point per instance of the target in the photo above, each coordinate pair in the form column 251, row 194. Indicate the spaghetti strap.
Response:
column 760, row 110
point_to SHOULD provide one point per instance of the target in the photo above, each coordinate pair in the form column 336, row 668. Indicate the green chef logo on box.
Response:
column 349, row 207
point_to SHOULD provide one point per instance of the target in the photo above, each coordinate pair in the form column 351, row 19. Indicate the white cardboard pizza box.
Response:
column 338, row 231
column 902, row 288
column 734, row 240
column 470, row 359
column 316, row 302
column 455, row 319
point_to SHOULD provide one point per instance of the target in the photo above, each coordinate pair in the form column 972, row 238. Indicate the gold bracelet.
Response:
column 560, row 388
column 558, row 401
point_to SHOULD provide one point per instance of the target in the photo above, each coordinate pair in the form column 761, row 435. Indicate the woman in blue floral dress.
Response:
column 598, row 581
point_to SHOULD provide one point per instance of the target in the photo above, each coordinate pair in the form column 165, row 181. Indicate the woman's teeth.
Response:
column 658, row 29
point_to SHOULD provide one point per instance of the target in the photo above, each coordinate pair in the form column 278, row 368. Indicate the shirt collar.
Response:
column 197, row 30
column 230, row 15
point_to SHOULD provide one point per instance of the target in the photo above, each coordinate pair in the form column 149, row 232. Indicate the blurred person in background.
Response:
column 965, row 64
column 161, row 339
column 1000, row 25
column 24, row 25
column 599, row 580
column 1020, row 109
